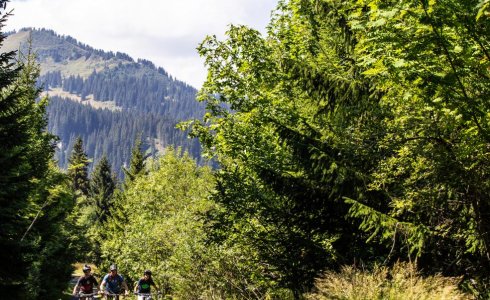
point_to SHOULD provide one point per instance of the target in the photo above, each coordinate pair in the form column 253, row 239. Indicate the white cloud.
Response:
column 163, row 31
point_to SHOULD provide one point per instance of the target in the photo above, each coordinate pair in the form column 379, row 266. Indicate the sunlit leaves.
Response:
column 163, row 230
column 384, row 103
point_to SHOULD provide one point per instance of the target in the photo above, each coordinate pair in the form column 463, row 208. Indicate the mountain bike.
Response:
column 84, row 296
column 148, row 296
column 111, row 296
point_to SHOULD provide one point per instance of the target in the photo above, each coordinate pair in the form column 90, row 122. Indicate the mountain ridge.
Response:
column 14, row 38
column 120, row 98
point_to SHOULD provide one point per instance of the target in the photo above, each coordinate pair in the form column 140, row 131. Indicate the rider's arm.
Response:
column 155, row 286
column 96, row 284
column 136, row 286
column 102, row 285
column 76, row 288
column 125, row 286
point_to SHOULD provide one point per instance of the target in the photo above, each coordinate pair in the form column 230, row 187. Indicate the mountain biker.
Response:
column 144, row 284
column 85, row 283
column 114, row 283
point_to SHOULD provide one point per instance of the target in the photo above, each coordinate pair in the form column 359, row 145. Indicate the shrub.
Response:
column 402, row 282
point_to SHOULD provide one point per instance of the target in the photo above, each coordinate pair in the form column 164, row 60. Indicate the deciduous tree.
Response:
column 367, row 115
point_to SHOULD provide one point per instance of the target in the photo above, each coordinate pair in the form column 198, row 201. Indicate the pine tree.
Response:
column 102, row 186
column 136, row 165
column 78, row 168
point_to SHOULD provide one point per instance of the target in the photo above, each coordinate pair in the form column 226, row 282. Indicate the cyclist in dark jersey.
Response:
column 143, row 286
column 85, row 283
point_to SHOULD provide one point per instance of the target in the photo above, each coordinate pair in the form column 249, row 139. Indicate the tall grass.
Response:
column 401, row 282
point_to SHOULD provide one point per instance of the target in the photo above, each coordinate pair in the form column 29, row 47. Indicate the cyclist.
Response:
column 143, row 285
column 113, row 283
column 85, row 283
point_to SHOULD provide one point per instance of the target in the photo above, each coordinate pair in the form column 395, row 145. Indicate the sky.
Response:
column 165, row 32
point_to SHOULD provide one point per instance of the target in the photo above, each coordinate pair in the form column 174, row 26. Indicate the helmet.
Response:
column 86, row 268
column 147, row 272
column 113, row 267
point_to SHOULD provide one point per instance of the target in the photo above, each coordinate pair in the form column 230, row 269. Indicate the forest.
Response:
column 350, row 151
column 112, row 133
column 147, row 101
column 107, row 99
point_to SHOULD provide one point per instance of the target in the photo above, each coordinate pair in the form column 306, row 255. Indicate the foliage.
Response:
column 287, row 157
column 18, row 112
column 162, row 230
column 102, row 186
column 431, row 61
column 16, row 167
column 86, row 246
column 35, row 198
column 402, row 281
column 136, row 164
column 51, row 243
column 234, row 271
column 78, row 168
column 354, row 130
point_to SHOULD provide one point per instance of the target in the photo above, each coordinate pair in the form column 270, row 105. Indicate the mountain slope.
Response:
column 108, row 98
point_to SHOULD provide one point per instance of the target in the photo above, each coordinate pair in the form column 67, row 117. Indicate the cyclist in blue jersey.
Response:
column 114, row 284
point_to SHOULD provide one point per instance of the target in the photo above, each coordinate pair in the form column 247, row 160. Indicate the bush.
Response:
column 401, row 282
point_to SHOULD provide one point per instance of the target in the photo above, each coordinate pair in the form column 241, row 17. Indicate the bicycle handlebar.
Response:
column 83, row 295
column 147, row 294
column 111, row 294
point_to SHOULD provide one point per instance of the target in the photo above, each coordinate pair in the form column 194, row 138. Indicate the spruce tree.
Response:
column 25, row 152
column 136, row 165
column 102, row 186
column 78, row 168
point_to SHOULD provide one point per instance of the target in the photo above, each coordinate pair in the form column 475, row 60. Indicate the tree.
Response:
column 354, row 130
column 163, row 230
column 78, row 168
column 49, row 200
column 14, row 185
column 286, row 144
column 25, row 153
column 52, row 241
column 102, row 186
column 136, row 165
column 431, row 61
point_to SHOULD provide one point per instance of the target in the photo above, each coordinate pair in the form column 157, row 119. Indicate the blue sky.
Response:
column 166, row 32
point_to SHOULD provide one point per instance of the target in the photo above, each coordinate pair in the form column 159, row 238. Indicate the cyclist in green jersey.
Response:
column 143, row 286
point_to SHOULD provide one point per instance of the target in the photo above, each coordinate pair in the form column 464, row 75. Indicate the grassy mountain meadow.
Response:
column 108, row 99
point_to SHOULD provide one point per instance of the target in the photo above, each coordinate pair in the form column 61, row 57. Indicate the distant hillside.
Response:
column 108, row 98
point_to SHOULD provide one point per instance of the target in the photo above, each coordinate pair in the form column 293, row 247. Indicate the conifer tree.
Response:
column 102, row 186
column 25, row 152
column 78, row 168
column 136, row 165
